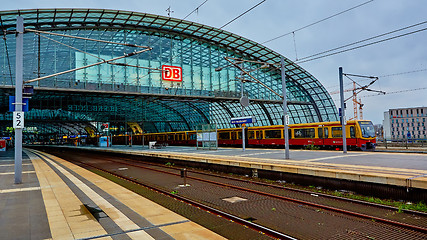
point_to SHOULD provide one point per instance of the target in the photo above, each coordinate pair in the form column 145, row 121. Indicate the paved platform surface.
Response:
column 401, row 169
column 52, row 201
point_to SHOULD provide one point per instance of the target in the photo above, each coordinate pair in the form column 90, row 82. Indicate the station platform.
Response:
column 391, row 168
column 57, row 200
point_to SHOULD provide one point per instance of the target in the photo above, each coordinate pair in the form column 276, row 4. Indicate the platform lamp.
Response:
column 265, row 65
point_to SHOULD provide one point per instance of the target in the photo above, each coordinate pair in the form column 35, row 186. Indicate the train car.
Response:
column 360, row 135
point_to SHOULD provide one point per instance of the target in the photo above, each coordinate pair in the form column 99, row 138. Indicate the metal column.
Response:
column 285, row 108
column 18, row 96
column 343, row 123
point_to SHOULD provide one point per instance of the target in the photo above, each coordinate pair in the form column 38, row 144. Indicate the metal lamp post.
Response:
column 285, row 108
column 18, row 98
column 344, row 137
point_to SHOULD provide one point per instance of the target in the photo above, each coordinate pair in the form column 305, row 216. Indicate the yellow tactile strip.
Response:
column 152, row 212
column 67, row 219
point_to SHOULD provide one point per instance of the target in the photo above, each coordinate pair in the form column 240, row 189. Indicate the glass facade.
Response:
column 133, row 86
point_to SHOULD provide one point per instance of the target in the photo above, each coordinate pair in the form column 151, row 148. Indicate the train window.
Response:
column 273, row 133
column 352, row 132
column 224, row 135
column 320, row 132
column 336, row 132
column 304, row 133
column 326, row 131
column 170, row 137
column 251, row 134
column 239, row 135
column 192, row 136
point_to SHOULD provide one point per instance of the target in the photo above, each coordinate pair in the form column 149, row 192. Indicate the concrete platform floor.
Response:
column 52, row 201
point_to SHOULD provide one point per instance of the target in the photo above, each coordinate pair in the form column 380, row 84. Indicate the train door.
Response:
column 352, row 140
column 326, row 140
column 246, row 136
column 320, row 140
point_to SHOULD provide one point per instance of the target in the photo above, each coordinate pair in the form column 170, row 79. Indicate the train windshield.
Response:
column 367, row 129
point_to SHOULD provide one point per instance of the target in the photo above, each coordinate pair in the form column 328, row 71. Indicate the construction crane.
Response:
column 357, row 105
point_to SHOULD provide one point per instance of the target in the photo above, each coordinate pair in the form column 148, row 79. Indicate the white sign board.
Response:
column 206, row 136
column 18, row 120
column 287, row 119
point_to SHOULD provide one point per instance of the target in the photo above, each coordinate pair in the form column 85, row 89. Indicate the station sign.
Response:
column 25, row 105
column 171, row 73
column 18, row 120
column 243, row 120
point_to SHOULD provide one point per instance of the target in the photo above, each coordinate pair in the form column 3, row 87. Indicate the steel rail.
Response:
column 351, row 213
column 251, row 225
column 423, row 214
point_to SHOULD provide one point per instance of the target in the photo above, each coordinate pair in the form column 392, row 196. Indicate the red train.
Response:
column 326, row 135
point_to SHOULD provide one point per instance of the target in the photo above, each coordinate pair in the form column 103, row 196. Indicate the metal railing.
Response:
column 402, row 143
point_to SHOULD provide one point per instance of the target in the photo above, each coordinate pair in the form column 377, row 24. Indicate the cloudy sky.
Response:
column 277, row 17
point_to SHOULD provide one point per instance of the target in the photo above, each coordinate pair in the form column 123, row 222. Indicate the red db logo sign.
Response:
column 171, row 73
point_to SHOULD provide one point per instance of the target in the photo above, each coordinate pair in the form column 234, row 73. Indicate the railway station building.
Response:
column 149, row 73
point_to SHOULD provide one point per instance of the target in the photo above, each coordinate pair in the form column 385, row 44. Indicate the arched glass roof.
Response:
column 204, row 96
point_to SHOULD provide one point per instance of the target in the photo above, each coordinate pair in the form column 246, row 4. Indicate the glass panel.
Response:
column 326, row 132
column 352, row 132
column 320, row 132
column 273, row 134
column 336, row 132
column 367, row 129
column 304, row 133
column 251, row 134
column 224, row 135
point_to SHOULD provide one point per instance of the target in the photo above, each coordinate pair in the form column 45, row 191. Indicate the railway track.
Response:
column 277, row 211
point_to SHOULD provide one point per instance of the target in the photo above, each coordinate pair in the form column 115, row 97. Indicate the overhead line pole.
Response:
column 344, row 138
column 18, row 96
column 285, row 107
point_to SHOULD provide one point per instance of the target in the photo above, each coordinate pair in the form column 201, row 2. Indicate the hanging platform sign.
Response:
column 242, row 120
column 171, row 73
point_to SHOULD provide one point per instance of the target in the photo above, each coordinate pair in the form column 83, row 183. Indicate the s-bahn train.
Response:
column 360, row 135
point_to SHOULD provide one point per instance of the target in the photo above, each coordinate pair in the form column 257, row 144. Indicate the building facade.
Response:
column 405, row 123
column 132, row 88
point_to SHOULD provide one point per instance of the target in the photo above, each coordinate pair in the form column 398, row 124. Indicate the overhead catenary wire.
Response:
column 361, row 46
column 311, row 24
column 395, row 92
column 242, row 14
column 196, row 9
column 364, row 40
column 403, row 73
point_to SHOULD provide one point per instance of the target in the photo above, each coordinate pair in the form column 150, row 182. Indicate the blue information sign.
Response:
column 25, row 106
column 242, row 120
